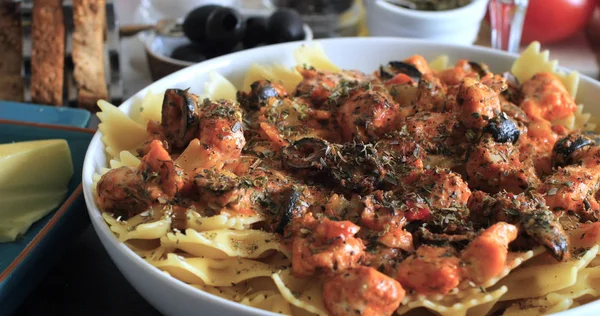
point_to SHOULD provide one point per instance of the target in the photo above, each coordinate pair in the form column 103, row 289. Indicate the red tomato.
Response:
column 416, row 211
column 550, row 21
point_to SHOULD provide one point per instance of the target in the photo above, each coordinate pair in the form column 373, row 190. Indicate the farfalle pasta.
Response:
column 425, row 187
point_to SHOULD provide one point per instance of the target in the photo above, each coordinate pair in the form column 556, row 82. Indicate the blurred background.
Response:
column 145, row 40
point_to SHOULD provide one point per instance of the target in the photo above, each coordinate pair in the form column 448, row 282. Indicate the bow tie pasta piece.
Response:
column 314, row 56
column 305, row 294
column 200, row 223
column 224, row 243
column 125, row 159
column 213, row 272
column 544, row 276
column 514, row 259
column 288, row 77
column 532, row 61
column 268, row 301
column 471, row 302
column 439, row 63
column 114, row 124
column 146, row 225
column 148, row 108
column 218, row 87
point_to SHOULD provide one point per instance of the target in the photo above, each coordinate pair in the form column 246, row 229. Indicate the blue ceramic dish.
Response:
column 25, row 262
column 55, row 115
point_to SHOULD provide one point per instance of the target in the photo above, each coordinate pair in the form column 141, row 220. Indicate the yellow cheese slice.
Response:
column 34, row 177
column 15, row 224
column 33, row 165
column 13, row 205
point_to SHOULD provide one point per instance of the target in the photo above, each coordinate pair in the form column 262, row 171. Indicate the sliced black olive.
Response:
column 285, row 25
column 256, row 32
column 189, row 52
column 566, row 149
column 398, row 67
column 513, row 93
column 180, row 117
column 225, row 27
column 291, row 207
column 194, row 24
column 481, row 69
column 260, row 92
column 503, row 129
column 511, row 80
column 545, row 229
column 307, row 153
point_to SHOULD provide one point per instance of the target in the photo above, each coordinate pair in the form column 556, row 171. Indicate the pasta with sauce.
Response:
column 418, row 188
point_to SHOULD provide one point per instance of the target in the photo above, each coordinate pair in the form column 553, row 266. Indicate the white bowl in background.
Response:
column 173, row 297
column 457, row 26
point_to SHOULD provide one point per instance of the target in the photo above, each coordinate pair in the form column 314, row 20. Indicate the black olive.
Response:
column 544, row 228
column 481, row 69
column 503, row 129
column 256, row 32
column 180, row 117
column 260, row 92
column 189, row 52
column 290, row 208
column 513, row 92
column 566, row 148
column 285, row 25
column 306, row 153
column 398, row 67
column 511, row 80
column 225, row 27
column 194, row 24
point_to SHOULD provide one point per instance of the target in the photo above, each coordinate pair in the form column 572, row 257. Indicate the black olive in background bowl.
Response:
column 256, row 32
column 285, row 25
column 159, row 50
column 225, row 27
column 194, row 24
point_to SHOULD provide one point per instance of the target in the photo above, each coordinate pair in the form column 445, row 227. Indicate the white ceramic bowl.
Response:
column 457, row 26
column 173, row 297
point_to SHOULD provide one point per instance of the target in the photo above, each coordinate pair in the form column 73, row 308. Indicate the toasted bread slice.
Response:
column 47, row 52
column 89, row 18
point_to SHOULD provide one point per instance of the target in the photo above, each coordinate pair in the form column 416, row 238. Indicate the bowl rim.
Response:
column 101, row 228
column 448, row 14
column 150, row 37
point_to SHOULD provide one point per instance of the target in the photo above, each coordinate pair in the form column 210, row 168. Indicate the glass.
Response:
column 507, row 18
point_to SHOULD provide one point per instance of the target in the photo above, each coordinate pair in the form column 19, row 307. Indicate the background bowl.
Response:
column 457, row 26
column 159, row 49
column 173, row 297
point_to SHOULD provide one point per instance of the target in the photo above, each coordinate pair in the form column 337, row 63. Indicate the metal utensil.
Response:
column 164, row 27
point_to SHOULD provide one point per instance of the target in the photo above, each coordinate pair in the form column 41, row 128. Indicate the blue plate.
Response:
column 56, row 115
column 25, row 262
